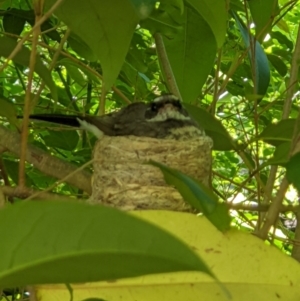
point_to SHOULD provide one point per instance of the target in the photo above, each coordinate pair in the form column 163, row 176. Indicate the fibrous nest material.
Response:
column 122, row 180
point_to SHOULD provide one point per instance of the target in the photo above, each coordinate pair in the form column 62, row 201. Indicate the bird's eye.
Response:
column 154, row 107
column 178, row 104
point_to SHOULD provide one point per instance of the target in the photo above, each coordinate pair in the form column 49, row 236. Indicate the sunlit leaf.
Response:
column 66, row 242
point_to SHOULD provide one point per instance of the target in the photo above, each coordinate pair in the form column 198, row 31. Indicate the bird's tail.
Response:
column 71, row 120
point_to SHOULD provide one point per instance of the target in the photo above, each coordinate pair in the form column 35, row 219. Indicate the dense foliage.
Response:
column 237, row 61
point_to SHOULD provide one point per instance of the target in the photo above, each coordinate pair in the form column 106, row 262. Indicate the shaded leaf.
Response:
column 215, row 15
column 281, row 154
column 293, row 171
column 67, row 140
column 135, row 59
column 13, row 24
column 278, row 64
column 263, row 14
column 12, row 169
column 80, row 47
column 143, row 8
column 197, row 195
column 75, row 74
column 87, row 72
column 191, row 60
column 8, row 110
column 212, row 126
column 76, row 242
column 282, row 39
column 164, row 20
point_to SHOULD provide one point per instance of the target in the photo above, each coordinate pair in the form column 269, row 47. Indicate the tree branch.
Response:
column 46, row 163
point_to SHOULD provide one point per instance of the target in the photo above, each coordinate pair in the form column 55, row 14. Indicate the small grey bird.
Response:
column 163, row 118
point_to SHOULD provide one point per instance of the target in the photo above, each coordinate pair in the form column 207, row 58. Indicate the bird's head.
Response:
column 166, row 107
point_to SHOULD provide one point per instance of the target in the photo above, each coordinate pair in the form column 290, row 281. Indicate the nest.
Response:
column 122, row 180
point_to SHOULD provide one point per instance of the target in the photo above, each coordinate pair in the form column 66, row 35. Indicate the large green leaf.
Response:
column 66, row 242
column 105, row 26
column 261, row 64
column 212, row 126
column 191, row 59
column 263, row 14
column 197, row 195
column 215, row 14
column 7, row 45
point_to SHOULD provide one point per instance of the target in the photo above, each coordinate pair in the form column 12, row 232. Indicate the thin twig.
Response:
column 26, row 36
column 32, row 60
column 165, row 65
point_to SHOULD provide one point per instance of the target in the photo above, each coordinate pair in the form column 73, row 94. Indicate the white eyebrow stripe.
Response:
column 165, row 97
column 168, row 115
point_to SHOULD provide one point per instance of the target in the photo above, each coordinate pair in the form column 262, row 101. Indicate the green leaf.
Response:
column 278, row 64
column 7, row 45
column 132, row 76
column 143, row 8
column 212, row 126
column 215, row 15
column 12, row 23
column 81, row 48
column 75, row 74
column 66, row 242
column 178, row 4
column 106, row 27
column 8, row 110
column 73, row 64
column 278, row 133
column 12, row 169
column 191, row 59
column 282, row 39
column 262, row 70
column 293, row 171
column 281, row 154
column 164, row 20
column 263, row 14
column 197, row 195
column 67, row 140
